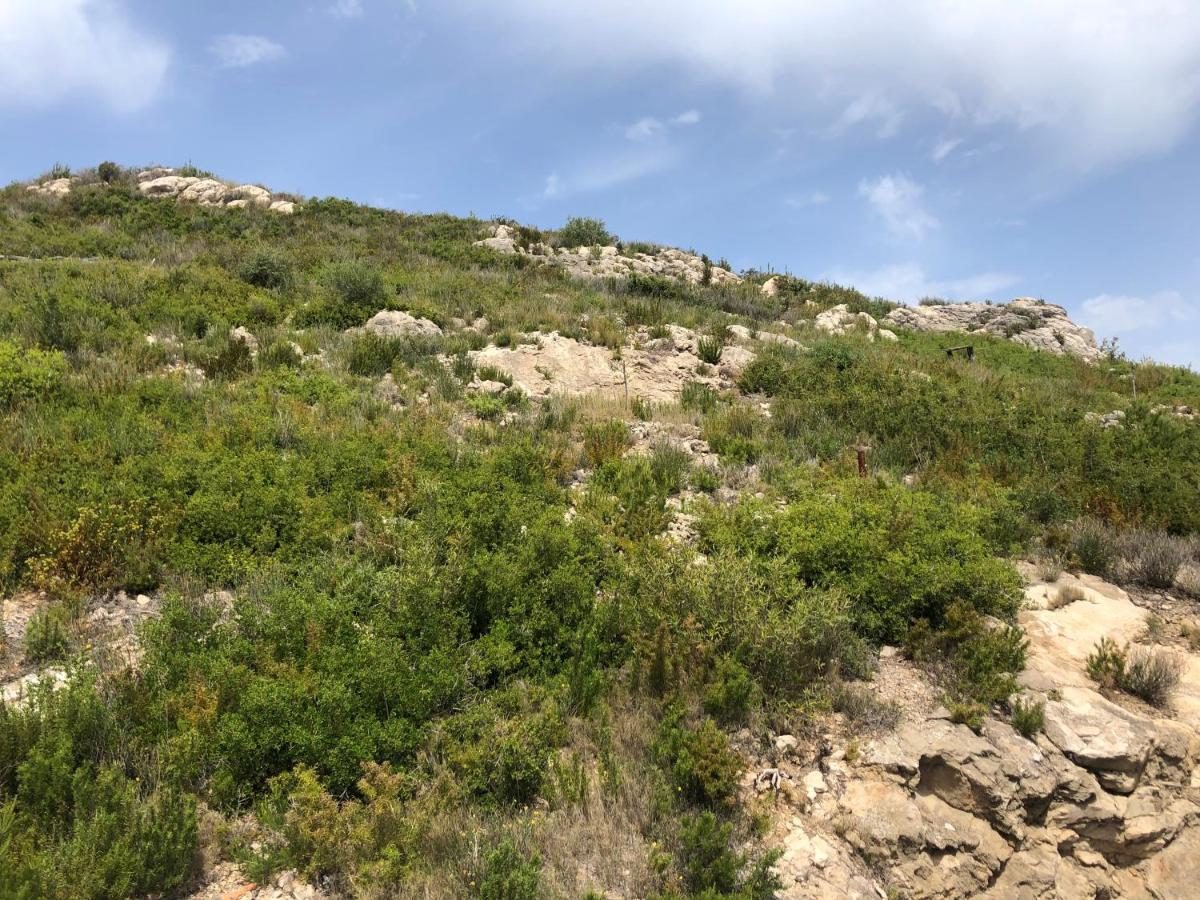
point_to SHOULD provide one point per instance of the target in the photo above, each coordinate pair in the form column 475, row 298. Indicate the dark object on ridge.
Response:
column 968, row 349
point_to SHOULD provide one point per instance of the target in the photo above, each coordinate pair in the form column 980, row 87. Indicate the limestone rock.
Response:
column 1028, row 321
column 838, row 320
column 164, row 182
column 397, row 323
column 56, row 187
column 241, row 333
column 610, row 262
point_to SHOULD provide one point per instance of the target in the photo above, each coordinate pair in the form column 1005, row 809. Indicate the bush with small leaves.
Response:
column 1028, row 716
column 699, row 760
column 510, row 875
column 1106, row 663
column 709, row 349
column 108, row 172
column 46, row 638
column 1093, row 547
column 731, row 691
column 233, row 359
column 1151, row 674
column 605, row 441
column 1152, row 558
column 696, row 395
column 583, row 232
column 28, row 374
column 267, row 268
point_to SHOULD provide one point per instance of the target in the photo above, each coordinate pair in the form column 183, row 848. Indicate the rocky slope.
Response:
column 161, row 181
column 1028, row 321
column 1104, row 803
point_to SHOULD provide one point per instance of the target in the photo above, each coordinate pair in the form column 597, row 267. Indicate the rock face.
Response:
column 1042, row 326
column 1103, row 803
column 609, row 262
column 652, row 369
column 838, row 320
column 165, row 182
column 396, row 323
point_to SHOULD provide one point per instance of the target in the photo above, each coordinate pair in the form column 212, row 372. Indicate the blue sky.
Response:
column 970, row 150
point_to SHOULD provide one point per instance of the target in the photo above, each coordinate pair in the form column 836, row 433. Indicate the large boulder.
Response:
column 396, row 323
column 1026, row 320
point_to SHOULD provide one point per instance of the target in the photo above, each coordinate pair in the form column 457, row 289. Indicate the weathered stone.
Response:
column 396, row 323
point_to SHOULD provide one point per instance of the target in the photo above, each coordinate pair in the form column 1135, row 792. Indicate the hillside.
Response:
column 348, row 552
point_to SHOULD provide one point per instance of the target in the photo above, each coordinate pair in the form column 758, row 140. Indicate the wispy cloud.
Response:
column 237, row 51
column 908, row 282
column 1088, row 84
column 347, row 9
column 1112, row 313
column 897, row 200
column 944, row 148
column 650, row 128
column 609, row 172
column 54, row 49
column 869, row 108
column 803, row 201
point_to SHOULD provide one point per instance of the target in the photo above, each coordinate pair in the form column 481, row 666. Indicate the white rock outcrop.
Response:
column 1026, row 320
column 838, row 320
column 397, row 323
column 1104, row 802
column 161, row 181
column 609, row 262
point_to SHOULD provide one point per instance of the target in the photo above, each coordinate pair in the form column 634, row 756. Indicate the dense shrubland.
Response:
column 437, row 670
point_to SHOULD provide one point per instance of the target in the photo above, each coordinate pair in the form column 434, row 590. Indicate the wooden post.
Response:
column 862, row 461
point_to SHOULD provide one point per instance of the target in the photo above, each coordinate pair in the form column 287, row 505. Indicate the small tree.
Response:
column 581, row 232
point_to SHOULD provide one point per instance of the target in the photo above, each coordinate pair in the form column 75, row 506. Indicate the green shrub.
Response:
column 605, row 441
column 699, row 760
column 280, row 355
column 698, row 396
column 709, row 349
column 1106, row 663
column 731, row 691
column 108, row 172
column 235, row 358
column 46, row 638
column 26, row 374
column 1093, row 547
column 508, row 875
column 582, row 232
column 1028, row 716
column 708, row 862
column 353, row 292
column 669, row 467
column 1151, row 674
column 267, row 268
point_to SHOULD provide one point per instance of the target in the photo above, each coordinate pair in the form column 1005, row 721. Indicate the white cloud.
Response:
column 897, row 200
column 648, row 128
column 53, row 49
column 1116, row 313
column 869, row 107
column 347, row 9
column 801, row 201
column 645, row 129
column 1088, row 84
column 608, row 172
column 236, row 51
column 909, row 283
column 944, row 148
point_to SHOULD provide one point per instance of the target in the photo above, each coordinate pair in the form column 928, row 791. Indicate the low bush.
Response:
column 709, row 350
column 1151, row 674
column 509, row 875
column 267, row 268
column 583, row 232
column 731, row 691
column 1028, row 716
column 235, row 358
column 1093, row 547
column 1152, row 558
column 605, row 441
column 1065, row 596
column 698, row 396
column 699, row 760
column 26, row 374
column 46, row 636
column 1106, row 663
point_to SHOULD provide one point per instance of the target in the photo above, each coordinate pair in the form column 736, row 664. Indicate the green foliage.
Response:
column 1148, row 673
column 1028, row 716
column 709, row 349
column 709, row 863
column 28, row 374
column 1106, row 663
column 984, row 658
column 46, row 637
column 583, row 232
column 697, row 395
column 233, row 359
column 731, row 691
column 267, row 268
column 605, row 442
column 108, row 172
column 700, row 761
column 508, row 875
column 354, row 291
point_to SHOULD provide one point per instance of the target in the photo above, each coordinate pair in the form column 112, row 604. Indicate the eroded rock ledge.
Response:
column 160, row 181
column 1028, row 321
column 1105, row 802
column 609, row 262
